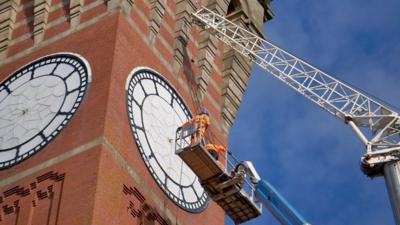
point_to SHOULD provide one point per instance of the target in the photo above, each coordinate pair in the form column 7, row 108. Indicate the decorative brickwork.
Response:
column 157, row 13
column 235, row 76
column 41, row 10
column 183, row 26
column 8, row 13
column 36, row 203
column 75, row 11
column 250, row 15
column 140, row 210
column 207, row 49
column 124, row 5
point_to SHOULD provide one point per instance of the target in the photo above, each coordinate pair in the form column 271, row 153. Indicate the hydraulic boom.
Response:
column 375, row 124
column 271, row 199
column 277, row 205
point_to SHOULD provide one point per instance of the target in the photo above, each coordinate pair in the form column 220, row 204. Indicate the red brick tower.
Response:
column 91, row 92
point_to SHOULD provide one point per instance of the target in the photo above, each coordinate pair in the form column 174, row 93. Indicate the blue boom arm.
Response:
column 277, row 205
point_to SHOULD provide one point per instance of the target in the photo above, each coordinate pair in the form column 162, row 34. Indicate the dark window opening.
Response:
column 233, row 6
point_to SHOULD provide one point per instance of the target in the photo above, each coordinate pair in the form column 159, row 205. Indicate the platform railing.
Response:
column 185, row 137
column 248, row 187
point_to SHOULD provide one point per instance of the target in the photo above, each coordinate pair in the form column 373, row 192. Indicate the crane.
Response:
column 374, row 123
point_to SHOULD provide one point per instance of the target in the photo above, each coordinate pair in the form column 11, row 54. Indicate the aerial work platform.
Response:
column 227, row 190
column 241, row 192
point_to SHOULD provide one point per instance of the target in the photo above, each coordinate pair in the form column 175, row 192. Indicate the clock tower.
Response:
column 91, row 94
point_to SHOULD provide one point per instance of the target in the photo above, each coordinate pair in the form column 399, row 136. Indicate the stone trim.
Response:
column 208, row 49
column 184, row 8
column 236, row 68
column 157, row 53
column 29, row 19
column 205, row 61
column 8, row 13
column 124, row 6
column 41, row 9
column 143, row 17
column 60, row 158
column 168, row 10
column 234, row 82
column 156, row 16
column 53, row 39
column 49, row 25
column 75, row 11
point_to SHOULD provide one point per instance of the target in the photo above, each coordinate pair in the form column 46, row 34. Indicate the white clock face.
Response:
column 37, row 101
column 155, row 111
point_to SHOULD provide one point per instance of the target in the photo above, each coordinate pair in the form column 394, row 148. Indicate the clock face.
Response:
column 155, row 111
column 37, row 101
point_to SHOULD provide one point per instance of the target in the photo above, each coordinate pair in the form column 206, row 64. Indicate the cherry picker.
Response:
column 235, row 186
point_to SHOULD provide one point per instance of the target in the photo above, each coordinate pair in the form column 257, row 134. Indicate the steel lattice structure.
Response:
column 374, row 123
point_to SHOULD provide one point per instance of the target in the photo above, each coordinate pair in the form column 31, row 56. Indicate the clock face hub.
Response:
column 37, row 101
column 155, row 111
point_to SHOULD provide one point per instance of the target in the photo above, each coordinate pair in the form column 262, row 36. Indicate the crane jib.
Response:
column 340, row 99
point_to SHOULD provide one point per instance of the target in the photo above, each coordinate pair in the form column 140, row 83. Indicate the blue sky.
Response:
column 309, row 156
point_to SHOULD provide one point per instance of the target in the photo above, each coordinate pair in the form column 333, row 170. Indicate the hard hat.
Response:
column 205, row 111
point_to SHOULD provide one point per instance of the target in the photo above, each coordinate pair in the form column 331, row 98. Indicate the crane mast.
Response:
column 375, row 124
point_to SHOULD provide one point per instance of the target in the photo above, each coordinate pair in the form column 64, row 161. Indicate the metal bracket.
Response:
column 372, row 162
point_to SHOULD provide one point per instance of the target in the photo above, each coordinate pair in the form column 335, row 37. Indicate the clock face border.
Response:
column 81, row 66
column 204, row 199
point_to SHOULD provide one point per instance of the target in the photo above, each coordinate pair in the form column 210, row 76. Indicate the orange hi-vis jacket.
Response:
column 201, row 123
column 221, row 153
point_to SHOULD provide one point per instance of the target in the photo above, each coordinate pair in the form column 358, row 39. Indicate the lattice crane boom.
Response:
column 377, row 125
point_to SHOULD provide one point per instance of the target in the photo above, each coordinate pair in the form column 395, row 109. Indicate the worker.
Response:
column 218, row 152
column 201, row 123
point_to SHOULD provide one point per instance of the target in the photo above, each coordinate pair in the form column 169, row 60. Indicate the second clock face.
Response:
column 155, row 111
column 37, row 101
